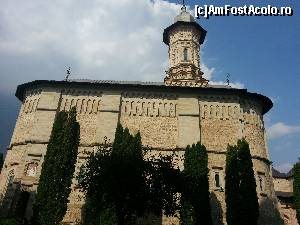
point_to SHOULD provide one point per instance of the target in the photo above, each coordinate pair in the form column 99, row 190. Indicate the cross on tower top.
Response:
column 68, row 73
column 227, row 79
column 183, row 8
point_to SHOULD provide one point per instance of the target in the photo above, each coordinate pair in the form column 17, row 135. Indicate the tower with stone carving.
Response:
column 184, row 38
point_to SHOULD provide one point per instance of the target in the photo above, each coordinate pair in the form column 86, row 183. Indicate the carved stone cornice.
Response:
column 185, row 74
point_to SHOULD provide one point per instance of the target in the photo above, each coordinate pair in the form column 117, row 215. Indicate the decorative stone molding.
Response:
column 138, row 111
column 30, row 101
column 252, row 113
column 184, row 58
column 222, row 111
column 83, row 105
column 149, row 108
column 149, row 95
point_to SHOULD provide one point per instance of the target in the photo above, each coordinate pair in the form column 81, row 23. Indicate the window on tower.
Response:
column 261, row 181
column 217, row 180
column 185, row 54
column 261, row 184
column 217, row 174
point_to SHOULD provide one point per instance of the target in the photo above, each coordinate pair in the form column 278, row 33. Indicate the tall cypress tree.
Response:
column 57, row 170
column 248, row 202
column 115, row 182
column 296, row 186
column 240, row 188
column 68, row 159
column 121, row 185
column 44, row 190
column 195, row 202
column 118, row 138
column 231, row 185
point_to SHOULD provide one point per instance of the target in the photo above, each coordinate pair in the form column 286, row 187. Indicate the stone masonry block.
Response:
column 42, row 126
column 188, row 106
column 110, row 102
column 189, row 131
column 49, row 99
column 106, row 126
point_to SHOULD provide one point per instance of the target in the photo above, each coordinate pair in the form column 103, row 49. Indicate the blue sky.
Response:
column 39, row 40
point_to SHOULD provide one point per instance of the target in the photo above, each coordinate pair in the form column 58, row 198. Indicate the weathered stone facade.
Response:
column 183, row 110
column 169, row 118
column 283, row 186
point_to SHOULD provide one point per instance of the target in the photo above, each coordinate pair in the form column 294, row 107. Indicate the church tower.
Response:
column 184, row 38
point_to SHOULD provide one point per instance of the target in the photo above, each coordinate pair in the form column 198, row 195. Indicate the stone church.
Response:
column 182, row 110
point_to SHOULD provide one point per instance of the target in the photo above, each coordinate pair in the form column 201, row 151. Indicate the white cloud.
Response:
column 275, row 99
column 120, row 39
column 280, row 129
column 208, row 72
column 237, row 85
column 99, row 39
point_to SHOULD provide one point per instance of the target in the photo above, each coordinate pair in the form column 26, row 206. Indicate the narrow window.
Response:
column 217, row 180
column 260, row 183
column 185, row 54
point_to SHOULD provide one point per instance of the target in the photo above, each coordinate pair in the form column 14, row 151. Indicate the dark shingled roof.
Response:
column 277, row 174
column 118, row 82
column 178, row 23
column 139, row 85
column 290, row 173
column 136, row 83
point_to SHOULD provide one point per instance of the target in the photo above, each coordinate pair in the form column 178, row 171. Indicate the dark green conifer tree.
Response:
column 117, row 144
column 121, row 185
column 296, row 186
column 231, row 185
column 115, row 182
column 44, row 190
column 248, row 202
column 57, row 170
column 196, row 192
column 240, row 188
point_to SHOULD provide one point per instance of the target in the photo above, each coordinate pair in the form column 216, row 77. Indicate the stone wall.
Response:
column 154, row 115
column 284, row 190
column 283, row 184
column 87, row 104
column 27, row 148
column 24, row 124
column 220, row 122
column 166, row 120
column 289, row 215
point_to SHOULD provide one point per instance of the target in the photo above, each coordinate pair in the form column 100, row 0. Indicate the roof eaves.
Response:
column 267, row 103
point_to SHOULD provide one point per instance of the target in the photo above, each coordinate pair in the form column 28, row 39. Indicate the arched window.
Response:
column 185, row 54
column 217, row 180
